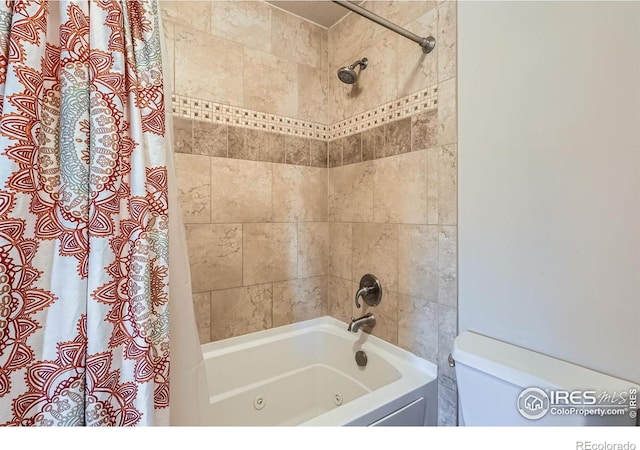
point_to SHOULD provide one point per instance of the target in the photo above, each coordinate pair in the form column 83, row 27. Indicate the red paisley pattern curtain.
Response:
column 84, row 326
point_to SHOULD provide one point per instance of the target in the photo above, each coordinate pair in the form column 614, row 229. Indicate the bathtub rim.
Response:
column 419, row 377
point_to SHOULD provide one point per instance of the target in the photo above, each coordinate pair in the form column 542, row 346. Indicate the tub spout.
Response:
column 368, row 320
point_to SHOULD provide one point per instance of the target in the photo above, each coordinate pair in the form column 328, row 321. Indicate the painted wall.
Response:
column 549, row 178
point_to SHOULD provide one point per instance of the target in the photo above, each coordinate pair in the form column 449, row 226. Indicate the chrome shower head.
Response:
column 348, row 75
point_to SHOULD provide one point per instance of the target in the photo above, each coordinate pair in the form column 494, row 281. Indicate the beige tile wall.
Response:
column 257, row 230
column 248, row 54
column 396, row 217
column 274, row 235
column 254, row 203
column 393, row 189
column 397, row 66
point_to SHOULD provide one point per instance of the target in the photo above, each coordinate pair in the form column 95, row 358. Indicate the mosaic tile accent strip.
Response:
column 220, row 113
column 406, row 106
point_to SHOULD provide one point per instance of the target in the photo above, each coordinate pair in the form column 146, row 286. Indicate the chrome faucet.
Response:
column 368, row 320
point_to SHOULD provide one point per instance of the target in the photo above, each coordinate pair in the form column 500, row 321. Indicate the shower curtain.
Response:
column 84, row 216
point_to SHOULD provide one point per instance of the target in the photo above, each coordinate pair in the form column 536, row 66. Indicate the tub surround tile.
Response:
column 447, row 40
column 351, row 193
column 297, row 150
column 223, row 114
column 324, row 51
column 379, row 81
column 256, row 145
column 447, row 332
column 335, row 153
column 375, row 251
column 240, row 311
column 373, row 143
column 433, row 166
column 204, row 335
column 424, row 130
column 396, row 166
column 215, row 256
column 400, row 12
column 417, row 70
column 448, row 266
column 193, row 14
column 340, row 253
column 244, row 22
column 170, row 42
column 269, row 252
column 269, row 146
column 313, row 86
column 270, row 83
column 350, row 37
column 299, row 194
column 202, row 309
column 337, row 92
column 208, row 66
column 182, row 135
column 236, row 147
column 377, row 84
column 386, row 314
column 324, row 306
column 313, row 249
column 318, row 153
column 295, row 39
column 209, row 139
column 212, row 111
column 447, row 114
column 351, row 149
column 340, row 299
column 418, row 327
column 447, row 407
column 448, row 185
column 298, row 300
column 345, row 100
column 185, row 106
column 240, row 191
column 276, row 148
column 397, row 137
column 400, row 188
column 194, row 187
column 418, row 273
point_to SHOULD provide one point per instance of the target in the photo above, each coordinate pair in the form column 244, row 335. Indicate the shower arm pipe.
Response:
column 427, row 43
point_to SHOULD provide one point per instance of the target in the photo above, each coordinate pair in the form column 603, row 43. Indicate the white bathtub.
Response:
column 306, row 374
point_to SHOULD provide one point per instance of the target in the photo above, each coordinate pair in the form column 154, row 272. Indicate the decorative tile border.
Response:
column 406, row 106
column 220, row 113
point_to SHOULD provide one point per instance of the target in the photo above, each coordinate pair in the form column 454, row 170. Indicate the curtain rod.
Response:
column 427, row 43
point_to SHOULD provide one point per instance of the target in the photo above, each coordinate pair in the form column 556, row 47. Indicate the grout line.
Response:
column 297, row 249
column 243, row 247
column 396, row 291
column 264, row 284
column 421, row 224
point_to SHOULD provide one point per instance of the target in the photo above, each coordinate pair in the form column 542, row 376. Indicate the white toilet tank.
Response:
column 493, row 376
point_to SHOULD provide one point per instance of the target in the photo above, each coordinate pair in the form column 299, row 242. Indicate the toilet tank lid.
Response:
column 527, row 368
